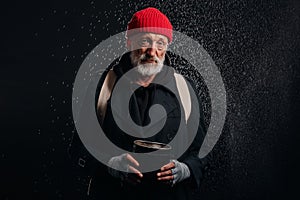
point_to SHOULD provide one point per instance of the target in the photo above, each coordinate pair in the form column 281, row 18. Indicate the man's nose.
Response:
column 152, row 50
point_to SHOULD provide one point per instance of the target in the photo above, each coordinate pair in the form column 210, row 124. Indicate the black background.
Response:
column 255, row 44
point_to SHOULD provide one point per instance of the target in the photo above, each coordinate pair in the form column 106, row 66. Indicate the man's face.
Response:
column 148, row 52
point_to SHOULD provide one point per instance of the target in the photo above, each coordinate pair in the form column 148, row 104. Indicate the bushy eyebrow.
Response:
column 162, row 39
column 148, row 36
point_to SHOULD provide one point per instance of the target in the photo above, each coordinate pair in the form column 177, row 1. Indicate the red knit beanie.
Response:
column 149, row 20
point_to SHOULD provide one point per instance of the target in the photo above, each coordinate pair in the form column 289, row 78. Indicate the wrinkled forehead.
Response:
column 152, row 36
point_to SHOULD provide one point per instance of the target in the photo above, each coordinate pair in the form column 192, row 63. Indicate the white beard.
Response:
column 147, row 69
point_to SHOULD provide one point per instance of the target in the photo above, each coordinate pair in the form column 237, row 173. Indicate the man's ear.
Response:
column 128, row 42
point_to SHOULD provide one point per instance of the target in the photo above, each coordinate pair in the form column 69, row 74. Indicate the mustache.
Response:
column 146, row 57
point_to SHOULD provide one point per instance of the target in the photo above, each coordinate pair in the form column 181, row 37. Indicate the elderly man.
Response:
column 148, row 35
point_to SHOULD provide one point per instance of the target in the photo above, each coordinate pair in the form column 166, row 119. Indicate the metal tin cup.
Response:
column 143, row 146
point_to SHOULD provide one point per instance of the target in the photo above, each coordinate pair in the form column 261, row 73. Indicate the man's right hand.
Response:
column 125, row 167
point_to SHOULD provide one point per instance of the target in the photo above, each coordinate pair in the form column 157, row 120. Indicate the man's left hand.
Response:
column 165, row 173
column 173, row 172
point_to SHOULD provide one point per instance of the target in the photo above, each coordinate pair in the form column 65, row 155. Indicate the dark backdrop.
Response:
column 255, row 44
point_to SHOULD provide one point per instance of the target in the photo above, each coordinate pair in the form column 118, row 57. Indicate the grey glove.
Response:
column 180, row 172
column 118, row 166
column 124, row 167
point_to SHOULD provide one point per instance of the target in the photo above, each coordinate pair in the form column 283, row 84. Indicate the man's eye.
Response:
column 160, row 43
column 144, row 42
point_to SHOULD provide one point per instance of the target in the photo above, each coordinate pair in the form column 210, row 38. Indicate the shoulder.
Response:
column 180, row 78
